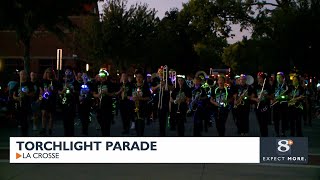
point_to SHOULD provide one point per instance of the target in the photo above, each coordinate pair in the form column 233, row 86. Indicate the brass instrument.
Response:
column 294, row 100
column 193, row 106
column 240, row 100
column 278, row 100
column 264, row 82
column 100, row 96
column 249, row 82
column 180, row 97
column 138, row 93
column 67, row 92
column 163, row 77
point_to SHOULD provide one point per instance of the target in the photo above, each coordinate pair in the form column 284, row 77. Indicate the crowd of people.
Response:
column 143, row 98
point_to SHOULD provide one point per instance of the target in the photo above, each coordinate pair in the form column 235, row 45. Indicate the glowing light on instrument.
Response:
column 46, row 95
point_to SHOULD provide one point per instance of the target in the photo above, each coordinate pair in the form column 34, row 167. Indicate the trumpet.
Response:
column 163, row 77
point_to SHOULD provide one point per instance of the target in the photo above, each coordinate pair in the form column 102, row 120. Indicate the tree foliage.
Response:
column 26, row 17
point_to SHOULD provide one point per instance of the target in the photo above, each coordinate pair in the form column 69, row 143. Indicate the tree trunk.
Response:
column 26, row 44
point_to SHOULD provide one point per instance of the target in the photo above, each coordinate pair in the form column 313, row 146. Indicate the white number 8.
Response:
column 283, row 146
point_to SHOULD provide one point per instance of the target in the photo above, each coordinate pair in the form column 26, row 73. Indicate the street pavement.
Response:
column 161, row 171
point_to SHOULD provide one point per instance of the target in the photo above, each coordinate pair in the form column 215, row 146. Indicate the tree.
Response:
column 88, row 42
column 26, row 17
column 127, row 32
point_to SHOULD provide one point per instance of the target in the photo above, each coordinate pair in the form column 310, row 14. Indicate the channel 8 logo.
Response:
column 284, row 146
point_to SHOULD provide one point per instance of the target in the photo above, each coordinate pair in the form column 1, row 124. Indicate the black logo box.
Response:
column 296, row 154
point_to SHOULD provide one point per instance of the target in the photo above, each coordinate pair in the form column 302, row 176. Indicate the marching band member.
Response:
column 280, row 105
column 85, row 102
column 181, row 95
column 197, row 105
column 261, row 96
column 140, row 94
column 125, row 104
column 23, row 93
column 35, row 100
column 67, row 97
column 163, row 88
column 48, row 97
column 220, row 98
column 242, row 105
column 104, row 110
column 295, row 108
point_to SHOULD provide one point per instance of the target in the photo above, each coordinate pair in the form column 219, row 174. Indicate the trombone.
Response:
column 163, row 77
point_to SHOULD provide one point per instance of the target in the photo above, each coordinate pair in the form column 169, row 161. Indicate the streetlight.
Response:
column 87, row 67
column 59, row 61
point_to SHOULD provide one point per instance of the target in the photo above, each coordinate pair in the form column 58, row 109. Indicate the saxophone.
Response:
column 180, row 97
column 240, row 100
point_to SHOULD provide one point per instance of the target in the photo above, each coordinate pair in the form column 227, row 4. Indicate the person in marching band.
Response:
column 140, row 94
column 295, row 109
column 163, row 89
column 197, row 105
column 47, row 97
column 125, row 104
column 67, row 99
column 35, row 100
column 23, row 93
column 221, row 97
column 242, row 105
column 279, row 102
column 261, row 96
column 85, row 102
column 181, row 96
column 104, row 109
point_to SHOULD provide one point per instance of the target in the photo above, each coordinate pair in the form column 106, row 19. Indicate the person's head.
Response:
column 181, row 81
column 280, row 77
column 97, row 78
column 243, row 79
column 85, row 77
column 103, row 74
column 33, row 76
column 261, row 76
column 48, row 74
column 79, row 76
column 139, row 77
column 23, row 76
column 197, row 81
column 221, row 80
column 149, row 77
column 124, row 77
column 295, row 80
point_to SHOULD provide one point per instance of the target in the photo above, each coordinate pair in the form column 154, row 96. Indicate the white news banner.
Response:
column 134, row 150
